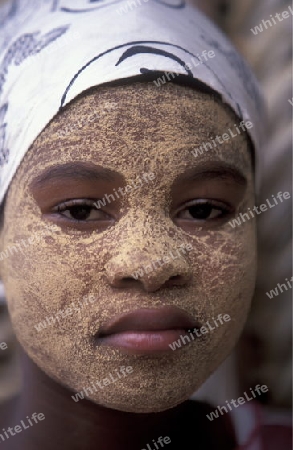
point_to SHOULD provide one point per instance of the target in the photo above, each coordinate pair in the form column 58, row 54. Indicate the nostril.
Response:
column 128, row 279
column 175, row 280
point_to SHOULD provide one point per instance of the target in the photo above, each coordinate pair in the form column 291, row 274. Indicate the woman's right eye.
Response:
column 81, row 211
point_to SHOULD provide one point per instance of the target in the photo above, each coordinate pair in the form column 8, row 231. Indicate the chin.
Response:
column 141, row 407
column 139, row 401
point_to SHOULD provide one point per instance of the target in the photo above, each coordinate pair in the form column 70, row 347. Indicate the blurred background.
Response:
column 263, row 355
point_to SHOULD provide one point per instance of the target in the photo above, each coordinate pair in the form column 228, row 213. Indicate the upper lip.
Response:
column 149, row 319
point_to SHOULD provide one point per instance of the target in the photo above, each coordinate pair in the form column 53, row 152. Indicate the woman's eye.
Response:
column 204, row 210
column 81, row 211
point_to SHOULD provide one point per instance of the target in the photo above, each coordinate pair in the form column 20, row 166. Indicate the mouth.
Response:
column 146, row 331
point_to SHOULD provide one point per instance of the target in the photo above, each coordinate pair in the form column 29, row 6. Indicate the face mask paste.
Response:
column 149, row 130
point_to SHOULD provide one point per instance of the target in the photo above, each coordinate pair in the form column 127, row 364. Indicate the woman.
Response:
column 133, row 186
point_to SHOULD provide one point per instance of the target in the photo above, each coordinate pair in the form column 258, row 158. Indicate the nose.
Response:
column 149, row 269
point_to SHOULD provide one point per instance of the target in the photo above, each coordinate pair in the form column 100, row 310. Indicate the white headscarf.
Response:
column 52, row 50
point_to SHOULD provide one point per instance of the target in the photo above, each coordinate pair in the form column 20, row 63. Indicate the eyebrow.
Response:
column 74, row 171
column 211, row 171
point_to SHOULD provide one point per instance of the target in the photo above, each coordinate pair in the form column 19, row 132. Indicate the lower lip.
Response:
column 143, row 342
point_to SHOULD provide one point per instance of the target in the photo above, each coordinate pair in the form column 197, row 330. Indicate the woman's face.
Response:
column 178, row 215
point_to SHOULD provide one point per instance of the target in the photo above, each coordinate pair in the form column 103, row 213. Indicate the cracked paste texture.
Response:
column 150, row 130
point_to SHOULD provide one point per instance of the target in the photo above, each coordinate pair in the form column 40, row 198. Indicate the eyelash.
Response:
column 224, row 209
column 202, row 204
column 80, row 203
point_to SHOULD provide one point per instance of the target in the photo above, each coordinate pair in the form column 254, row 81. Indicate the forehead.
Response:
column 140, row 127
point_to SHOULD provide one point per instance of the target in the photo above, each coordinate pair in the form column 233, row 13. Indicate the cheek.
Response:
column 224, row 266
column 54, row 274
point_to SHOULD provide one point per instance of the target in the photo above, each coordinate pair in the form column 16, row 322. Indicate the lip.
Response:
column 146, row 330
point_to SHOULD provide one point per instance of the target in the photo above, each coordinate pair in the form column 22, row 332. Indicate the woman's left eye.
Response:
column 81, row 210
column 204, row 210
